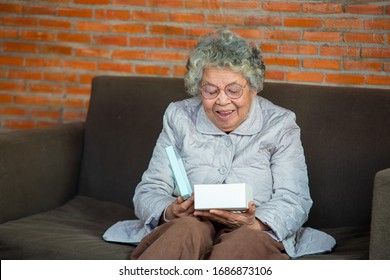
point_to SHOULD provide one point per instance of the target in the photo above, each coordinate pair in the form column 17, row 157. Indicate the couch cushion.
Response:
column 352, row 244
column 72, row 231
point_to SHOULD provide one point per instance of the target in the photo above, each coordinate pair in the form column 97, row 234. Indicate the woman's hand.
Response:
column 180, row 208
column 234, row 219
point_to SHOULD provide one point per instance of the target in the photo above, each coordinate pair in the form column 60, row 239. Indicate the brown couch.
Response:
column 61, row 187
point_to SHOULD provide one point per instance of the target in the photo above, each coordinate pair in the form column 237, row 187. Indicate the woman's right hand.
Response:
column 180, row 208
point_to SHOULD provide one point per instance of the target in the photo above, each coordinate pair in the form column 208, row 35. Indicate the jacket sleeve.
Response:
column 156, row 189
column 290, row 203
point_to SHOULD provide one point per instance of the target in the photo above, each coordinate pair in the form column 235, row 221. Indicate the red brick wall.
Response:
column 50, row 49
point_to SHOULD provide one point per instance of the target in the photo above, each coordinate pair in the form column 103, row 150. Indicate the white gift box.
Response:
column 233, row 197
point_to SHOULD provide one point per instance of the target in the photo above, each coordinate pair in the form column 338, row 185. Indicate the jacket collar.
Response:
column 251, row 125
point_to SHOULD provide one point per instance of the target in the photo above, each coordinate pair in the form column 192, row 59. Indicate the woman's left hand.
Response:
column 234, row 219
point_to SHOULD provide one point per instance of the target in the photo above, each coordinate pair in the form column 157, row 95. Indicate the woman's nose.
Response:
column 222, row 98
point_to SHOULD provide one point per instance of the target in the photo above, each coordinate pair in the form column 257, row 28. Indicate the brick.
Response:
column 322, row 8
column 150, row 16
column 225, row 19
column 55, row 49
column 248, row 33
column 115, row 67
column 61, row 77
column 204, row 4
column 11, row 60
column 5, row 98
column 378, row 80
column 345, row 79
column 80, row 65
column 112, row 14
column 166, row 30
column 386, row 67
column 74, row 12
column 86, row 78
column 129, row 54
column 152, row 70
column 282, row 61
column 241, row 5
column 269, row 48
column 46, row 88
column 92, row 2
column 24, row 74
column 310, row 77
column 31, row 35
column 12, row 111
column 340, row 51
column 322, row 36
column 19, row 47
column 282, row 35
column 110, row 40
column 167, row 3
column 146, row 42
column 9, row 34
column 179, row 71
column 376, row 52
column 129, row 28
column 321, row 64
column 30, row 100
column 364, row 9
column 302, row 22
column 263, row 21
column 10, row 8
column 343, row 23
column 281, row 7
column 46, row 114
column 197, row 31
column 165, row 56
column 298, row 49
column 180, row 43
column 93, row 26
column 39, row 10
column 20, row 21
column 130, row 2
column 364, row 38
column 74, row 115
column 79, row 90
column 274, row 75
column 379, row 24
column 43, row 62
column 362, row 65
column 187, row 17
column 93, row 52
column 3, row 73
column 58, row 24
column 74, row 37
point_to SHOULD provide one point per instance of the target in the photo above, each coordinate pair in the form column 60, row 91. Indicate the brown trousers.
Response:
column 190, row 238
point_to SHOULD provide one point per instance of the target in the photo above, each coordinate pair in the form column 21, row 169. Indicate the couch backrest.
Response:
column 346, row 137
column 123, row 122
column 345, row 133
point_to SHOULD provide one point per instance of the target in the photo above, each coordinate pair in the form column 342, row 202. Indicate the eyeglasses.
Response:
column 233, row 91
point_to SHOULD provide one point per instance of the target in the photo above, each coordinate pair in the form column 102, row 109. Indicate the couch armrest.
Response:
column 39, row 169
column 380, row 220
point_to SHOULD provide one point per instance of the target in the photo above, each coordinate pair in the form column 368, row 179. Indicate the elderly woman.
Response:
column 226, row 133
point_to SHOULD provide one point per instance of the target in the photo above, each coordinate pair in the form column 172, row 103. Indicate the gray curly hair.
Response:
column 224, row 49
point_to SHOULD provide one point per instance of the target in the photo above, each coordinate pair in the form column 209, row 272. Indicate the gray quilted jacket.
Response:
column 265, row 151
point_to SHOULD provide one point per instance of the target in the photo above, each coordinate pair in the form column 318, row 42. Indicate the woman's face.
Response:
column 227, row 114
